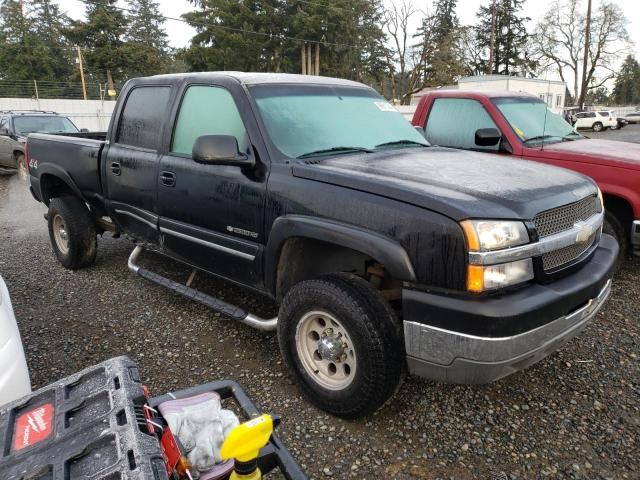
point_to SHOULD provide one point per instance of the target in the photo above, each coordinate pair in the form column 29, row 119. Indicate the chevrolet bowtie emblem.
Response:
column 584, row 233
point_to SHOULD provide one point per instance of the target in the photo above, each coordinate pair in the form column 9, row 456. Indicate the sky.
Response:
column 181, row 33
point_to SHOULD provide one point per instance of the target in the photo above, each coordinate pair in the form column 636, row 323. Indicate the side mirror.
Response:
column 487, row 137
column 84, row 130
column 219, row 150
column 4, row 132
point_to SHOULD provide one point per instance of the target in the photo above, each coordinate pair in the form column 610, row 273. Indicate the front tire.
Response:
column 342, row 342
column 597, row 127
column 72, row 232
column 612, row 226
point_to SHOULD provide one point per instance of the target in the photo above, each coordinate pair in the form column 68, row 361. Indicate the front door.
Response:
column 130, row 162
column 6, row 146
column 212, row 215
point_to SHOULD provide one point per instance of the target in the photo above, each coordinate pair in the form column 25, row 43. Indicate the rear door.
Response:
column 213, row 215
column 130, row 163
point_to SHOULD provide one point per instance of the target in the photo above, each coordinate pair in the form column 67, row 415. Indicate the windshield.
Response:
column 304, row 120
column 533, row 122
column 42, row 124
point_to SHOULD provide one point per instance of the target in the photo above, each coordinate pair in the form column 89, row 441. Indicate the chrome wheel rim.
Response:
column 60, row 234
column 325, row 350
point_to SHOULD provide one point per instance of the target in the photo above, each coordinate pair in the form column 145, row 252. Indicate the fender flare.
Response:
column 60, row 174
column 385, row 250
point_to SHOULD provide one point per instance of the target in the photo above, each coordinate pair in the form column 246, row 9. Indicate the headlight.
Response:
column 485, row 235
column 481, row 278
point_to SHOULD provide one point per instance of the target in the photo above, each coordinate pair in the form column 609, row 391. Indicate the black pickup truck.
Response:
column 382, row 251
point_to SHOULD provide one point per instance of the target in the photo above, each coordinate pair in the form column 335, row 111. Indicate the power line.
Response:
column 279, row 36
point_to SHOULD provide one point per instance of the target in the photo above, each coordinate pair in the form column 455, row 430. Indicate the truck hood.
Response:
column 456, row 183
column 604, row 152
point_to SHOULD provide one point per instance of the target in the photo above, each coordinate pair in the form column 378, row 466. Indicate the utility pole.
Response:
column 492, row 50
column 303, row 58
column 587, row 41
column 317, row 72
column 84, row 88
column 309, row 66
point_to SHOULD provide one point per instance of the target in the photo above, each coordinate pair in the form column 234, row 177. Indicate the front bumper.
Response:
column 491, row 338
column 635, row 237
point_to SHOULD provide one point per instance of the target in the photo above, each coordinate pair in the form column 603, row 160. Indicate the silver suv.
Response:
column 15, row 125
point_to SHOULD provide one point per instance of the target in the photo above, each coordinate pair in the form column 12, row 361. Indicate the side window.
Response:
column 591, row 115
column 453, row 122
column 207, row 110
column 143, row 117
column 4, row 123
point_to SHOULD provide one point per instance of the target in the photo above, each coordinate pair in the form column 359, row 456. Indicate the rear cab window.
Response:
column 142, row 118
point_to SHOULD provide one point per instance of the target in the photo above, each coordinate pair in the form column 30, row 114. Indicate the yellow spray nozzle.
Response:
column 245, row 441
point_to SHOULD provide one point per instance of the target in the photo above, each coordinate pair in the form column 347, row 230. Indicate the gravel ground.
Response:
column 573, row 415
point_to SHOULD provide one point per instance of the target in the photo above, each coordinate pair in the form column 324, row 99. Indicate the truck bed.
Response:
column 76, row 154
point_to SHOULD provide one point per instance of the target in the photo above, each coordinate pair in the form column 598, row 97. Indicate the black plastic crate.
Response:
column 87, row 426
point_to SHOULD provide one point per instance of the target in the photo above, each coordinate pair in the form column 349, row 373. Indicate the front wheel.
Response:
column 342, row 342
column 72, row 232
column 597, row 127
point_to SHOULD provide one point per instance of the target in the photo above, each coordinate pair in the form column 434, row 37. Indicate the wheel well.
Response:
column 53, row 187
column 303, row 258
column 619, row 208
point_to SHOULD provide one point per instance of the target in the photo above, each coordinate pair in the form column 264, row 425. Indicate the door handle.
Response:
column 115, row 168
column 168, row 179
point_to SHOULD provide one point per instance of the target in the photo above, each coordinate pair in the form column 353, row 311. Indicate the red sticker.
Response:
column 33, row 426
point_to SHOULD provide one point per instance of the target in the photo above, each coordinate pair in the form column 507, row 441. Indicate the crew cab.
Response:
column 380, row 249
column 520, row 126
column 15, row 125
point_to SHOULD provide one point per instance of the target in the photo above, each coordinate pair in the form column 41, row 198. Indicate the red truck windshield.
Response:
column 533, row 122
column 302, row 120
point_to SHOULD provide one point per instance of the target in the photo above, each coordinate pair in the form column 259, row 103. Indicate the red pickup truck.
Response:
column 521, row 125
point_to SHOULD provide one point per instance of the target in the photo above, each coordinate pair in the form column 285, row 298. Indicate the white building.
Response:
column 551, row 91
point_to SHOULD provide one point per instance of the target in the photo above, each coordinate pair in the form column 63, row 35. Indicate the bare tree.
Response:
column 406, row 60
column 558, row 43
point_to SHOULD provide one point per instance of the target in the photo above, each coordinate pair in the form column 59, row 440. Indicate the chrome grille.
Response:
column 563, row 218
column 565, row 255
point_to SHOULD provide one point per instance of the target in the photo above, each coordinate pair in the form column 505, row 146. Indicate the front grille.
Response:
column 563, row 218
column 562, row 256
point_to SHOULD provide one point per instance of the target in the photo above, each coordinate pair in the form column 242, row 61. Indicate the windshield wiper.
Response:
column 568, row 137
column 334, row 150
column 539, row 137
column 401, row 142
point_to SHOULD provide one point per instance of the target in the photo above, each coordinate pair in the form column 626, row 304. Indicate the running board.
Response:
column 213, row 303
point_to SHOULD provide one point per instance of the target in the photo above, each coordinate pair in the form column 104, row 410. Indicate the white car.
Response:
column 596, row 121
column 14, row 374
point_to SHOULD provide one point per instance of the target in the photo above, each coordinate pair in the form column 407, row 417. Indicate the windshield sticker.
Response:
column 385, row 107
column 519, row 132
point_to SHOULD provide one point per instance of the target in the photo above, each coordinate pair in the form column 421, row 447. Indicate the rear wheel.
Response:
column 72, row 232
column 612, row 226
column 23, row 174
column 597, row 127
column 342, row 342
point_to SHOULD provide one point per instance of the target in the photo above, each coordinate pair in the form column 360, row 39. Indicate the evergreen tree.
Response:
column 102, row 36
column 256, row 35
column 24, row 56
column 509, row 52
column 147, row 41
column 627, row 87
column 440, row 49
